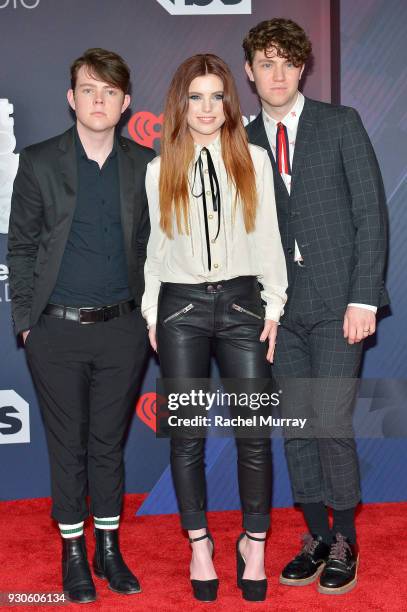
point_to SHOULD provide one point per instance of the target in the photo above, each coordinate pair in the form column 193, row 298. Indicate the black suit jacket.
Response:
column 42, row 208
column 337, row 207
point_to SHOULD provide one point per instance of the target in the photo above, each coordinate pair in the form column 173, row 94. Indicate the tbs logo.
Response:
column 4, row 286
column 207, row 7
column 14, row 418
column 28, row 4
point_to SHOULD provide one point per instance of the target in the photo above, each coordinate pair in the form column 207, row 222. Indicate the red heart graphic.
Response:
column 146, row 408
column 142, row 128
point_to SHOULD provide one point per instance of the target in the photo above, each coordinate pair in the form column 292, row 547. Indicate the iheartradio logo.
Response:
column 145, row 127
column 146, row 409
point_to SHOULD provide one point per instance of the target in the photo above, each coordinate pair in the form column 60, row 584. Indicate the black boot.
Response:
column 76, row 577
column 108, row 563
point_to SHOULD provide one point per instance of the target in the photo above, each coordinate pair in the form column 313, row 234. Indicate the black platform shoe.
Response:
column 76, row 577
column 340, row 573
column 252, row 590
column 308, row 564
column 108, row 563
column 205, row 590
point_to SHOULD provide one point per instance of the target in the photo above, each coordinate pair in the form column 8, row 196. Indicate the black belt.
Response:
column 84, row 315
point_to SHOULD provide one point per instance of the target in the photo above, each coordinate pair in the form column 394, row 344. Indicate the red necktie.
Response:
column 282, row 149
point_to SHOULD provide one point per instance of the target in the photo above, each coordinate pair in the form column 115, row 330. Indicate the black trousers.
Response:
column 318, row 369
column 87, row 378
column 185, row 342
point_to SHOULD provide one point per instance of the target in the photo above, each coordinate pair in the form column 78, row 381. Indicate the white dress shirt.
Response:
column 291, row 120
column 234, row 253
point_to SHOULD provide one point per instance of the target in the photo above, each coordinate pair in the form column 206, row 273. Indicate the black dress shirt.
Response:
column 93, row 270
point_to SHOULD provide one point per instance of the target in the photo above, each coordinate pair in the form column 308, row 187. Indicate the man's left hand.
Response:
column 358, row 324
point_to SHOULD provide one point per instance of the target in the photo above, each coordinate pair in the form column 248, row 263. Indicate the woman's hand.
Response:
column 270, row 332
column 152, row 336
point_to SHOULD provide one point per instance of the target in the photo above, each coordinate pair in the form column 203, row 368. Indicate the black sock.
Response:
column 316, row 516
column 344, row 523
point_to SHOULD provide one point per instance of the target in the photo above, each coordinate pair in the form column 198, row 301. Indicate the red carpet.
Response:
column 155, row 549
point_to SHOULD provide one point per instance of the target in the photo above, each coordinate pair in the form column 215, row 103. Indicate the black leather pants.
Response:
column 193, row 322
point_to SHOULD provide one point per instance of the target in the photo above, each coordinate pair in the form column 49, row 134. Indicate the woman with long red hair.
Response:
column 214, row 238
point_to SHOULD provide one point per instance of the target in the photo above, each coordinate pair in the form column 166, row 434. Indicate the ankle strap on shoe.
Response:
column 200, row 538
column 255, row 539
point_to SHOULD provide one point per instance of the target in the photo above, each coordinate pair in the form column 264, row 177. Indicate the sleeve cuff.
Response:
column 274, row 313
column 366, row 306
column 151, row 316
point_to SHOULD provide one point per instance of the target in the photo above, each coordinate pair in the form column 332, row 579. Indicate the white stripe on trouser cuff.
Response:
column 71, row 531
column 110, row 522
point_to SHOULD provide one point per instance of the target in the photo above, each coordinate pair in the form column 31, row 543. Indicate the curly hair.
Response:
column 285, row 36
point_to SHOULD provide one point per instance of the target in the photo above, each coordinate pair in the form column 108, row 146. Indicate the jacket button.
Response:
column 290, row 251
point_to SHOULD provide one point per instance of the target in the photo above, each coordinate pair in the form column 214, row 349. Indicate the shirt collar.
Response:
column 81, row 151
column 291, row 118
column 215, row 147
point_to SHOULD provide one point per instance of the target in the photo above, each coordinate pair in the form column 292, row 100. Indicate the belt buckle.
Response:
column 301, row 263
column 83, row 311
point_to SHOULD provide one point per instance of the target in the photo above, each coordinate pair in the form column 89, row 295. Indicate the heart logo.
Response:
column 146, row 409
column 145, row 127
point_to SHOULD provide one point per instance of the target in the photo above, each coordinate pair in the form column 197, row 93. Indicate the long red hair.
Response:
column 177, row 147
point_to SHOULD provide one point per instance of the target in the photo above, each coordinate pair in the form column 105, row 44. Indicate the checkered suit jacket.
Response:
column 337, row 208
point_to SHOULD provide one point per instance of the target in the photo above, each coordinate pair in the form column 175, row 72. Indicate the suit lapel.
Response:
column 67, row 162
column 303, row 141
column 127, row 191
column 260, row 138
column 259, row 135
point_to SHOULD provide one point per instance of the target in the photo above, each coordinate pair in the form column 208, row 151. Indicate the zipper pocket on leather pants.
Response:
column 179, row 312
column 249, row 312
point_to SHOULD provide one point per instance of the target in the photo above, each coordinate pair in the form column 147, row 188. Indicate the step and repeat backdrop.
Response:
column 38, row 41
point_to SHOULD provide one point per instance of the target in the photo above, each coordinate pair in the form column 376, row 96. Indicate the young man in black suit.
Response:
column 332, row 218
column 78, row 232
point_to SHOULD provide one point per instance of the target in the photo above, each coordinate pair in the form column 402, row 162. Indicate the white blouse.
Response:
column 235, row 252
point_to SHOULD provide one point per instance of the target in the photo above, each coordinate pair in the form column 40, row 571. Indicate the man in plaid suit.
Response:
column 333, row 224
